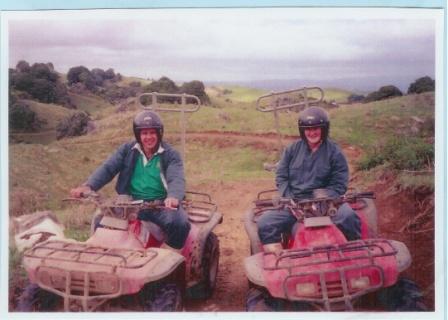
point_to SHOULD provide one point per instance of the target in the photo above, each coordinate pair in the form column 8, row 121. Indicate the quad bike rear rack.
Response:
column 69, row 279
column 333, row 283
column 200, row 208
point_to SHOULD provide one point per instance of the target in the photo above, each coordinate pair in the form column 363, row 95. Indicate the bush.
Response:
column 422, row 84
column 401, row 154
column 163, row 85
column 385, row 92
column 196, row 88
column 353, row 98
column 74, row 125
column 83, row 75
column 21, row 117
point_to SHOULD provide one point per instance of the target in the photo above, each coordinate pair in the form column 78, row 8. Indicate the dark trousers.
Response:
column 275, row 222
column 173, row 222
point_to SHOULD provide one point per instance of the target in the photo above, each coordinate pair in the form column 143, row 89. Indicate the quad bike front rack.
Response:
column 68, row 278
column 336, row 286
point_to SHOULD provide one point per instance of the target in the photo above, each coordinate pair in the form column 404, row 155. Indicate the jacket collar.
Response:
column 145, row 160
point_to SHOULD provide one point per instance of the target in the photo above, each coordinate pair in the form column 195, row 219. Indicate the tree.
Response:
column 196, row 88
column 109, row 74
column 83, row 75
column 163, row 85
column 43, row 90
column 43, row 71
column 385, row 92
column 98, row 75
column 423, row 84
column 23, row 66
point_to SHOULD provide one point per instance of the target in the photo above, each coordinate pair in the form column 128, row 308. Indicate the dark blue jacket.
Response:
column 123, row 161
column 299, row 171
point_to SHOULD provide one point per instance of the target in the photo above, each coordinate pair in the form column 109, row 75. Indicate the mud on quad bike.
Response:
column 318, row 269
column 123, row 258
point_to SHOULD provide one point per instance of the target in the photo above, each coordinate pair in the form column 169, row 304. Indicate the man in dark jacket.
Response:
column 148, row 169
column 310, row 165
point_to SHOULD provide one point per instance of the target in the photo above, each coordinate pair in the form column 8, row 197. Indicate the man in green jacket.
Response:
column 148, row 169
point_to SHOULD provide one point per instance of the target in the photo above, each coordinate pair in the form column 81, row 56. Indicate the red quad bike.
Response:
column 123, row 258
column 319, row 268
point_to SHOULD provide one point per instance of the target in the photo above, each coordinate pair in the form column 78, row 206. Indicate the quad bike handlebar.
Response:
column 200, row 207
column 121, row 207
column 312, row 207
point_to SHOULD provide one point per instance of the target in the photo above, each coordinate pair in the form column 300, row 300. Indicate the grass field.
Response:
column 47, row 172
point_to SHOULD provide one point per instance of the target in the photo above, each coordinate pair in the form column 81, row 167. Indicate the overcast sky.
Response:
column 362, row 48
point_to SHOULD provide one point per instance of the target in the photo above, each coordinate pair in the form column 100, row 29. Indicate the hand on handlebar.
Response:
column 80, row 191
column 171, row 203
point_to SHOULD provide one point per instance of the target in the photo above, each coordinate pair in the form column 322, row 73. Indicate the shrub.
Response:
column 163, row 85
column 196, row 88
column 74, row 125
column 401, row 154
column 21, row 117
column 385, row 92
column 422, row 84
column 353, row 98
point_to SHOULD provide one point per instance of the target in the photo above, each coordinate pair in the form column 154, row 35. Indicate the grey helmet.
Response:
column 313, row 117
column 147, row 120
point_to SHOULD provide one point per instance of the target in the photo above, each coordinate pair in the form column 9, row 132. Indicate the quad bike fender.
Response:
column 253, row 266
column 163, row 265
column 195, row 245
column 114, row 238
column 36, row 228
column 252, row 231
column 403, row 256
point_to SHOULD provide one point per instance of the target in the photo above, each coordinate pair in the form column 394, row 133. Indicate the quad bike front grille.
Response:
column 332, row 275
column 84, row 275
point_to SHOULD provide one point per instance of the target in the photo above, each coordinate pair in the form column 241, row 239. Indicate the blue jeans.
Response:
column 173, row 222
column 275, row 222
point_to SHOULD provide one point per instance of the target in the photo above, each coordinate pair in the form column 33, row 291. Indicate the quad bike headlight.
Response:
column 360, row 283
column 306, row 289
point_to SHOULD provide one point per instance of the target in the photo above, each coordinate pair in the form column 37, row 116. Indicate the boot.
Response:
column 165, row 246
column 275, row 248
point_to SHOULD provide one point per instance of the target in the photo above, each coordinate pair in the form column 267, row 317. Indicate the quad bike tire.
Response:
column 34, row 298
column 164, row 297
column 258, row 299
column 405, row 295
column 210, row 263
